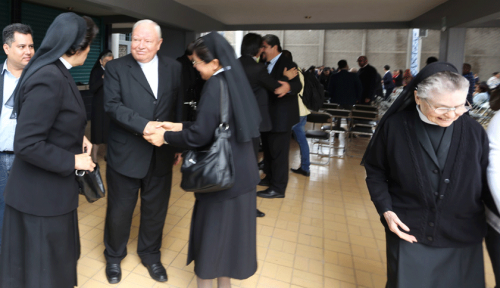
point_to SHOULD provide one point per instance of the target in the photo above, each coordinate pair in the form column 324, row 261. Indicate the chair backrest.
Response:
column 330, row 106
column 365, row 108
column 319, row 117
column 339, row 113
column 367, row 115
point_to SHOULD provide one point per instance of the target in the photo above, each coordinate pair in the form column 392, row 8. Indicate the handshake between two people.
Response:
column 154, row 131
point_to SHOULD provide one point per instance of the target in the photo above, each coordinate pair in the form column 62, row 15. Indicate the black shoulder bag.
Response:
column 213, row 169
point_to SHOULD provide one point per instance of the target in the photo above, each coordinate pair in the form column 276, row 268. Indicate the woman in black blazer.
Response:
column 426, row 173
column 99, row 126
column 223, row 227
column 40, row 239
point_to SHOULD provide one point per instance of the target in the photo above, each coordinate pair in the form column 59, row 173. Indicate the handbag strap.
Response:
column 224, row 105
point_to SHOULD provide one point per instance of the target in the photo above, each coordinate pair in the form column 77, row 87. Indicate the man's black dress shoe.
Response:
column 157, row 272
column 261, row 165
column 301, row 171
column 260, row 213
column 113, row 273
column 270, row 193
column 264, row 182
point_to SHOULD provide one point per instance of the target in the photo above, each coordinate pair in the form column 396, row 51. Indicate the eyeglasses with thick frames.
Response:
column 457, row 109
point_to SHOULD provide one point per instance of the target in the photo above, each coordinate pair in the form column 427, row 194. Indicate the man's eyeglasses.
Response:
column 196, row 62
column 457, row 109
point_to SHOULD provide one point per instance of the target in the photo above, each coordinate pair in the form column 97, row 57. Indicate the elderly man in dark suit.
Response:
column 368, row 77
column 284, row 112
column 140, row 90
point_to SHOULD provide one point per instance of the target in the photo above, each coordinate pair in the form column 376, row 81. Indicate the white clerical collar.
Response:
column 153, row 61
column 66, row 63
column 423, row 117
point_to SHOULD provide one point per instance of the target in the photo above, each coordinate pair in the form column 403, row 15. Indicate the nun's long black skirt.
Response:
column 39, row 252
column 223, row 242
column 421, row 266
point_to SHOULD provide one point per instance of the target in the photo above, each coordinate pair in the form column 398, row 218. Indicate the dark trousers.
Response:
column 256, row 145
column 388, row 92
column 492, row 241
column 276, row 147
column 123, row 192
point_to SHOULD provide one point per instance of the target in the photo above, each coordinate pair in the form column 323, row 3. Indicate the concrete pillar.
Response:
column 408, row 50
column 452, row 47
column 321, row 48
column 363, row 43
column 238, row 38
column 115, row 44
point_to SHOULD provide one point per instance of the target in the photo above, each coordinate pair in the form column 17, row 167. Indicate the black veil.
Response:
column 244, row 104
column 97, row 63
column 67, row 31
column 406, row 101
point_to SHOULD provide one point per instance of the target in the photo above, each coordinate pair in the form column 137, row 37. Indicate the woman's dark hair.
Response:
column 251, row 44
column 400, row 72
column 202, row 51
column 287, row 54
column 189, row 49
column 90, row 32
column 483, row 87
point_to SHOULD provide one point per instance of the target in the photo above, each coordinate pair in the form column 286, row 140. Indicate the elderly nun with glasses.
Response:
column 426, row 174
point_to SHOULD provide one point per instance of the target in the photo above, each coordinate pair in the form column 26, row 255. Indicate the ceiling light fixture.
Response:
column 308, row 17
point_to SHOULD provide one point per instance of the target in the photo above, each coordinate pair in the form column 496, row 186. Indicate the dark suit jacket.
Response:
column 345, row 88
column 368, row 77
column 200, row 135
column 284, row 111
column 130, row 103
column 261, row 82
column 398, row 180
column 388, row 83
column 49, row 133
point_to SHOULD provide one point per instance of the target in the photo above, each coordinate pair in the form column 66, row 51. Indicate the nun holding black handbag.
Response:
column 222, row 241
column 40, row 240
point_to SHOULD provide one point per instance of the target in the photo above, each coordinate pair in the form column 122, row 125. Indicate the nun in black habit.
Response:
column 99, row 119
column 40, row 240
column 426, row 174
column 222, row 241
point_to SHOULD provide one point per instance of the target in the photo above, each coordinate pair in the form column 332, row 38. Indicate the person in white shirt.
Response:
column 19, row 48
column 492, row 239
column 494, row 80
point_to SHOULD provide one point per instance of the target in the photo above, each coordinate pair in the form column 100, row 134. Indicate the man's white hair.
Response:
column 147, row 21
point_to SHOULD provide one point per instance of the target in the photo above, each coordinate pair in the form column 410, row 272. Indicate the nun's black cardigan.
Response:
column 397, row 181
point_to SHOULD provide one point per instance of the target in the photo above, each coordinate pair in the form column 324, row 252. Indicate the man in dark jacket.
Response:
column 345, row 87
column 388, row 83
column 368, row 77
column 284, row 112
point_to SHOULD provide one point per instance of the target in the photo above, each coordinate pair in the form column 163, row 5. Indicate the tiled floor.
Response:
column 325, row 233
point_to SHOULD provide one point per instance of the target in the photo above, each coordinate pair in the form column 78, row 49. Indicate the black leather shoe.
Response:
column 301, row 171
column 260, row 213
column 113, row 273
column 264, row 182
column 270, row 193
column 157, row 272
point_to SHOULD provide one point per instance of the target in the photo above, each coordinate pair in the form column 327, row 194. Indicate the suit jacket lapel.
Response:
column 275, row 71
column 136, row 72
column 162, row 74
column 71, row 82
column 425, row 141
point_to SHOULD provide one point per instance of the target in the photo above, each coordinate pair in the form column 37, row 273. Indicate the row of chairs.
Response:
column 361, row 121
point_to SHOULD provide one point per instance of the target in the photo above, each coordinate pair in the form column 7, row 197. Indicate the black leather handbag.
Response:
column 213, row 169
column 90, row 184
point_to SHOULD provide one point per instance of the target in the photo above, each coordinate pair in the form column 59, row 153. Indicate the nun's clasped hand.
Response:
column 393, row 222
